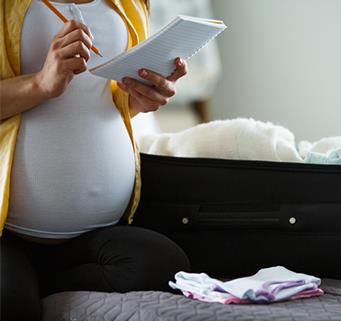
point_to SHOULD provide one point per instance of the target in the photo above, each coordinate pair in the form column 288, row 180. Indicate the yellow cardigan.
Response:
column 12, row 13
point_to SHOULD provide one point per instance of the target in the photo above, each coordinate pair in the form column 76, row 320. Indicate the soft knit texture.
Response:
column 239, row 138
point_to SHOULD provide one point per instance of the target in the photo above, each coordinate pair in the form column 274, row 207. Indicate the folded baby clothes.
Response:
column 267, row 285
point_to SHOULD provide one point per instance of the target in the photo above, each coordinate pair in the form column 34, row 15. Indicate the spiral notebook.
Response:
column 182, row 37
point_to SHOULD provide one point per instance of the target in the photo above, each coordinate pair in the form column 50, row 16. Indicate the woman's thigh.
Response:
column 20, row 298
column 118, row 258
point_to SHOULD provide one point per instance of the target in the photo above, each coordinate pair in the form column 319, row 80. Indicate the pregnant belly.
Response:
column 70, row 174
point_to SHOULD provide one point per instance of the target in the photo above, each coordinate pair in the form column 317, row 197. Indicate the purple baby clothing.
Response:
column 228, row 300
column 267, row 285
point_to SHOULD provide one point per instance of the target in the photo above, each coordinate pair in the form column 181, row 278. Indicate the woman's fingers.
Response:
column 143, row 101
column 163, row 85
column 145, row 90
column 73, row 25
column 144, row 94
column 73, row 49
column 76, row 35
column 180, row 71
column 148, row 105
column 74, row 39
column 76, row 65
column 150, row 97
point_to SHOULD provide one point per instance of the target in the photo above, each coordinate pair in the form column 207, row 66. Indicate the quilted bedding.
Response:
column 163, row 306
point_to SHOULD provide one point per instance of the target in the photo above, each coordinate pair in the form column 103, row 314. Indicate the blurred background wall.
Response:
column 280, row 61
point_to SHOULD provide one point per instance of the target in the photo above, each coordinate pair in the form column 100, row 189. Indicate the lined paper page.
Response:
column 183, row 37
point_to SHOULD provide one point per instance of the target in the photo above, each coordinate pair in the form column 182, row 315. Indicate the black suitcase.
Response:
column 234, row 217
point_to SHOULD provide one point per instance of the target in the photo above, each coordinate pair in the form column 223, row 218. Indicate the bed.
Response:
column 164, row 306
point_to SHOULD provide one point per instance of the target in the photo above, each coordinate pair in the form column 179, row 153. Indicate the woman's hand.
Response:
column 67, row 56
column 145, row 98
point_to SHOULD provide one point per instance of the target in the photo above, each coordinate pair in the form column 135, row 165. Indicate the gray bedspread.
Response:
column 163, row 306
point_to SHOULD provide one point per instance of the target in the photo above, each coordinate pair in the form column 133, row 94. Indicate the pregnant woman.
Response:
column 69, row 168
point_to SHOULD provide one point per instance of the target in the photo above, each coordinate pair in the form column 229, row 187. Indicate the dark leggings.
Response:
column 111, row 259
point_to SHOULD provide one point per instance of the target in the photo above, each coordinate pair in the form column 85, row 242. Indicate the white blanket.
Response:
column 239, row 138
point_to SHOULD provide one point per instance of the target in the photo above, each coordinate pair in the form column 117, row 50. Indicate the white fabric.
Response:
column 239, row 138
column 267, row 285
column 74, row 167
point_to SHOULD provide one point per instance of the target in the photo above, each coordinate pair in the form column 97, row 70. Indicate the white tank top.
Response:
column 73, row 167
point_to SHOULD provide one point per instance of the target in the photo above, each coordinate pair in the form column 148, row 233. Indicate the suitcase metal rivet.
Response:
column 185, row 220
column 292, row 220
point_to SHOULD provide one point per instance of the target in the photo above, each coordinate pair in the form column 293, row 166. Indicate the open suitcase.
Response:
column 234, row 217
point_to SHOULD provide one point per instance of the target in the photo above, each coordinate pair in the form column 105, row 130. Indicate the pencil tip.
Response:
column 100, row 54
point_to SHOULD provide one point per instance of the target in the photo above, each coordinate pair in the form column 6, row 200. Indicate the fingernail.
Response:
column 91, row 35
column 143, row 73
